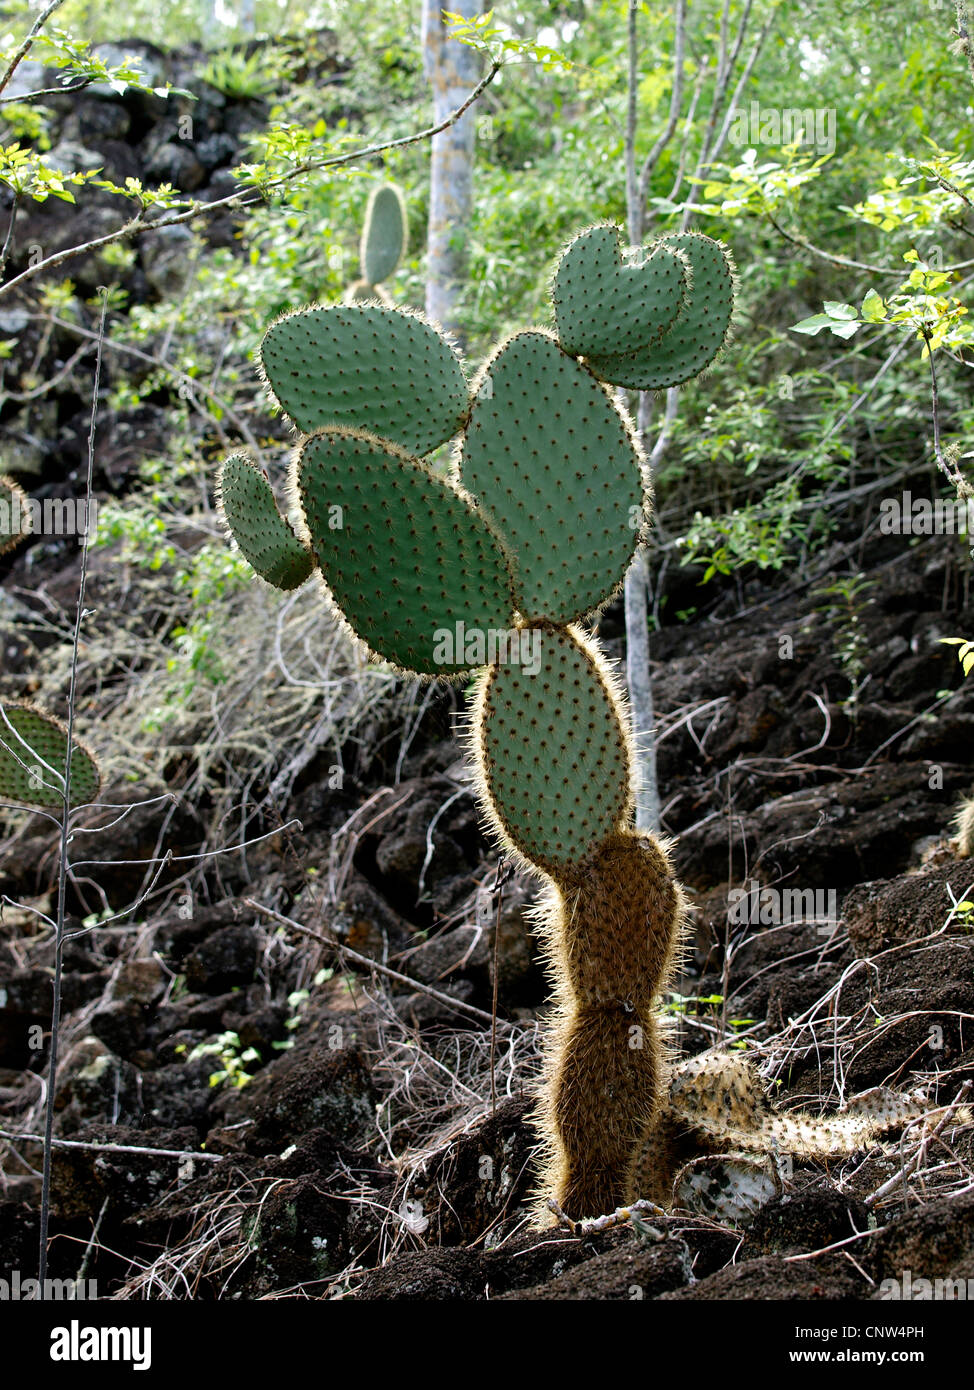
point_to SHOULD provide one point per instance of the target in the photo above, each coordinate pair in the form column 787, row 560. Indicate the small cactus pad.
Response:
column 384, row 235
column 29, row 739
column 15, row 520
column 409, row 560
column 605, row 303
column 552, row 751
column 548, row 456
column 256, row 524
column 698, row 333
column 367, row 367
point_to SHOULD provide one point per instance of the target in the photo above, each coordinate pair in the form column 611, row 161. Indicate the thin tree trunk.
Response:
column 722, row 105
column 453, row 69
column 965, row 31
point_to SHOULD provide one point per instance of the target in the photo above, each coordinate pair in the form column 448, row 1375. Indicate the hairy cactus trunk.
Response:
column 611, row 933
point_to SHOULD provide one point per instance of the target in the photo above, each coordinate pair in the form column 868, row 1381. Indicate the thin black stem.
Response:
column 65, row 824
column 943, row 463
column 14, row 209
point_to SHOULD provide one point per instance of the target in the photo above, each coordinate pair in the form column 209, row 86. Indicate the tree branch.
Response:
column 28, row 42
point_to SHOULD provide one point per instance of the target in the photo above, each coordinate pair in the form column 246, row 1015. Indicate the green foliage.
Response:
column 965, row 652
column 233, row 1057
column 245, row 77
column 843, row 602
column 27, row 174
column 497, row 41
column 760, row 533
column 78, row 65
column 759, row 189
column 937, row 319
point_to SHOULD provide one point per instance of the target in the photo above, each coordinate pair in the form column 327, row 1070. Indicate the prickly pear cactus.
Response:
column 33, row 758
column 384, row 238
column 496, row 567
column 15, row 522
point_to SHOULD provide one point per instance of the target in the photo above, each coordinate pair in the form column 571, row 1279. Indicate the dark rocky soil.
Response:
column 306, row 1196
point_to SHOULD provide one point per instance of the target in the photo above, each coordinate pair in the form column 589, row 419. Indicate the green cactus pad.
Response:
column 254, row 520
column 385, row 233
column 366, row 367
column 29, row 739
column 552, row 751
column 405, row 554
column 15, row 520
column 699, row 332
column 549, row 457
column 607, row 303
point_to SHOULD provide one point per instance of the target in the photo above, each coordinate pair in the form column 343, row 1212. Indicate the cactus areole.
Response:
column 529, row 536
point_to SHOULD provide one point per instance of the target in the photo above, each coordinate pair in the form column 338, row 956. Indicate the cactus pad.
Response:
column 254, row 520
column 15, row 521
column 552, row 751
column 367, row 367
column 405, row 554
column 698, row 332
column 29, row 739
column 551, row 460
column 385, row 233
column 605, row 303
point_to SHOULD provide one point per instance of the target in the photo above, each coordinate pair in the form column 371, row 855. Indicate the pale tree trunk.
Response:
column 213, row 30
column 965, row 31
column 729, row 63
column 453, row 70
column 224, row 17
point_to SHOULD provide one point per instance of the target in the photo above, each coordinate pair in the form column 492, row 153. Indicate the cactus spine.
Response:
column 964, row 825
column 497, row 567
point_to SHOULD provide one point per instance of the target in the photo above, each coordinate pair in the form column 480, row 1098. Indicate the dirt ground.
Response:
column 380, row 1147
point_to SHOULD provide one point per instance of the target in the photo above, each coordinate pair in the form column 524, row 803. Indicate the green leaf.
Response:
column 813, row 325
column 873, row 308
